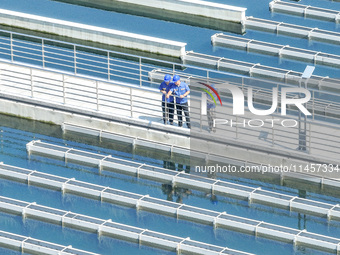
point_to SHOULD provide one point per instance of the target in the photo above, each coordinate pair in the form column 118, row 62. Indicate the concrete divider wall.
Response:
column 92, row 33
column 196, row 7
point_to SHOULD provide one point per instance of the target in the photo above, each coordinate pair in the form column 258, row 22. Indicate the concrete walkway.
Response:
column 137, row 112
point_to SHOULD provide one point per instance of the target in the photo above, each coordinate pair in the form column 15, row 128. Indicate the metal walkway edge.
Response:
column 286, row 51
column 304, row 10
column 36, row 246
column 321, row 180
column 111, row 229
column 196, row 214
column 124, row 138
column 188, row 181
column 258, row 70
column 292, row 30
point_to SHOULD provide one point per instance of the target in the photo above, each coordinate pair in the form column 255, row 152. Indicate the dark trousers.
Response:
column 211, row 116
column 168, row 111
column 183, row 107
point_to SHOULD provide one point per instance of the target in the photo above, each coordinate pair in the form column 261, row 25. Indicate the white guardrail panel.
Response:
column 37, row 246
column 109, row 228
column 200, row 183
column 216, row 219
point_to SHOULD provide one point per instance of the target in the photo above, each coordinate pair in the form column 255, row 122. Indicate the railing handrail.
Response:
column 151, row 112
column 158, row 60
column 127, row 85
column 142, row 71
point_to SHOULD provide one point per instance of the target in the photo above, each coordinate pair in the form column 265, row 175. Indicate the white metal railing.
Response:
column 281, row 50
column 110, row 228
column 79, row 59
column 120, row 87
column 182, row 179
column 100, row 133
column 137, row 102
column 299, row 9
column 28, row 244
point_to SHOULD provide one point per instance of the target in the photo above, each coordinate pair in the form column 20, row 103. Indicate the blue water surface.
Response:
column 13, row 151
column 14, row 139
column 197, row 39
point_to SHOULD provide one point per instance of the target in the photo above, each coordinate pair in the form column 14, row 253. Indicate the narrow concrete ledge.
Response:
column 189, row 7
column 196, row 7
column 92, row 33
column 177, row 15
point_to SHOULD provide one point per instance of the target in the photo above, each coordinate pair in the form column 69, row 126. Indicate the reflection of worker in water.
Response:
column 302, row 217
column 176, row 166
column 212, row 196
column 177, row 192
column 213, row 199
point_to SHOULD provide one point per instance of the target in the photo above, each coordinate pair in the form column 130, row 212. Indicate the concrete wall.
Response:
column 195, row 7
column 92, row 33
column 163, row 14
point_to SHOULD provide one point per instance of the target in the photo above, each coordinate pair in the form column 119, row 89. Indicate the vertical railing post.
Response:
column 64, row 90
column 236, row 130
column 131, row 108
column 310, row 138
column 11, row 42
column 201, row 115
column 108, row 66
column 75, row 59
column 166, row 110
column 97, row 94
column 273, row 135
column 278, row 94
column 43, row 52
column 32, row 88
column 313, row 103
column 140, row 72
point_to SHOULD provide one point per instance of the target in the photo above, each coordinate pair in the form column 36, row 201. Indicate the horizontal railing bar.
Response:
column 124, row 54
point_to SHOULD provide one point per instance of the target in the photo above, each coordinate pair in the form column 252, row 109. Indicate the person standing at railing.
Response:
column 167, row 102
column 211, row 107
column 180, row 90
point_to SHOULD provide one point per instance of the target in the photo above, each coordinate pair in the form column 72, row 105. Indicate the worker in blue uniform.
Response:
column 180, row 90
column 167, row 103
